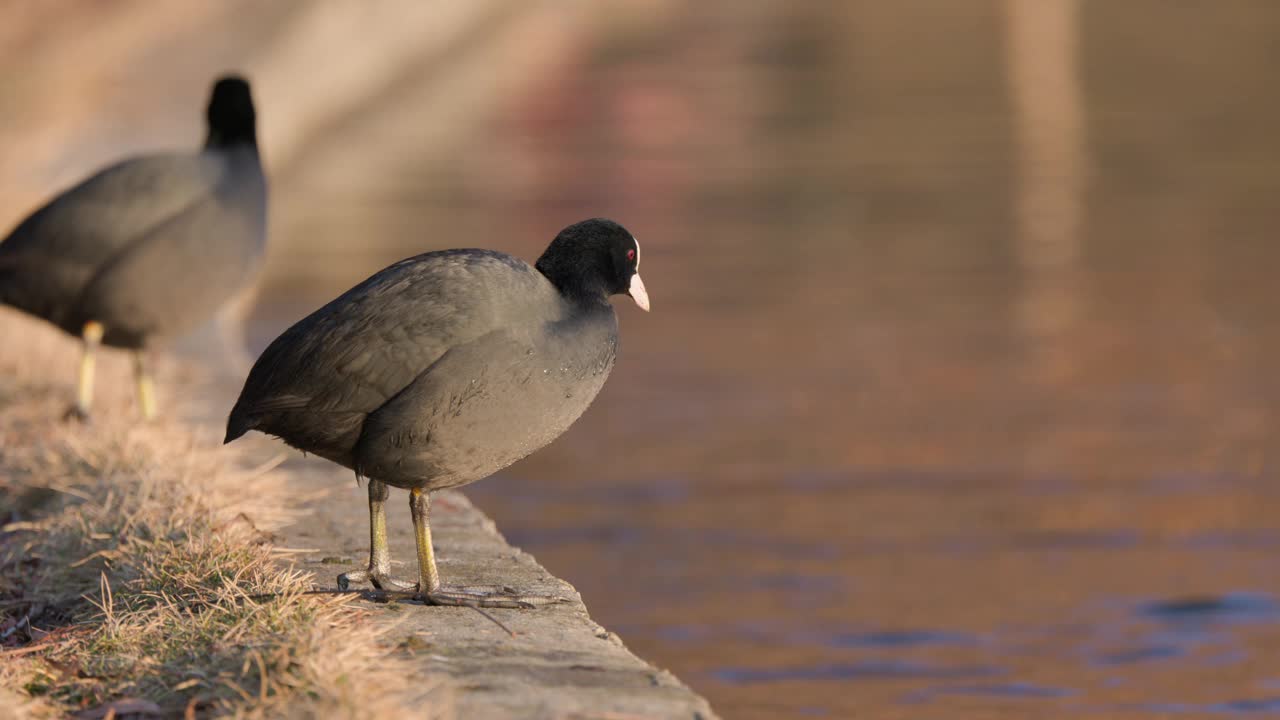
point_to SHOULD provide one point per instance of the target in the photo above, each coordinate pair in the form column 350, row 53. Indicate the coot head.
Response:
column 594, row 259
column 230, row 114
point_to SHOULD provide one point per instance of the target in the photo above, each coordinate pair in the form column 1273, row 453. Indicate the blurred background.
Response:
column 959, row 393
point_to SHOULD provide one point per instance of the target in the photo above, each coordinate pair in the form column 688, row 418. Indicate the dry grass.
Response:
column 129, row 556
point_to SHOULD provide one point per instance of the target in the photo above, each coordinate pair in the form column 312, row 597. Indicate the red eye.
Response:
column 631, row 254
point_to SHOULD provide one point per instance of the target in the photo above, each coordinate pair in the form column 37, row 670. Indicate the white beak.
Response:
column 637, row 292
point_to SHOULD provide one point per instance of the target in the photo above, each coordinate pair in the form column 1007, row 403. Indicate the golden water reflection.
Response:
column 958, row 394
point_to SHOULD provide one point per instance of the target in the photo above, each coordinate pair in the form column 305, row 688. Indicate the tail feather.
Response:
column 7, row 275
column 238, row 424
column 39, row 292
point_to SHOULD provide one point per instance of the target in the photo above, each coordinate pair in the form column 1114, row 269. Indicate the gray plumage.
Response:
column 435, row 372
column 443, row 369
column 150, row 246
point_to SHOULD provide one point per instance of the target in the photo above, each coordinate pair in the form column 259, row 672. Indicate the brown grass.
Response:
column 129, row 558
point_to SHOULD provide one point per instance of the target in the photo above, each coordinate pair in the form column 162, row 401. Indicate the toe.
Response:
column 487, row 597
column 386, row 582
column 346, row 578
column 380, row 580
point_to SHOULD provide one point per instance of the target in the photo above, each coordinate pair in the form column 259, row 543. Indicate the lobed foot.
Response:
column 76, row 414
column 490, row 596
column 379, row 578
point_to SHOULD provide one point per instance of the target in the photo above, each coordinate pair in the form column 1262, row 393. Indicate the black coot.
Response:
column 441, row 370
column 148, row 247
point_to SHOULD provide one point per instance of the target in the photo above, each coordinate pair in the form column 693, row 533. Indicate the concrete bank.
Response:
column 560, row 664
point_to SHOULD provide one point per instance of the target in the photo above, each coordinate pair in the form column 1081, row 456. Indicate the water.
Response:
column 958, row 397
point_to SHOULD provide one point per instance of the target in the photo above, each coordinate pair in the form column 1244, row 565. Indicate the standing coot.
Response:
column 445, row 368
column 148, row 247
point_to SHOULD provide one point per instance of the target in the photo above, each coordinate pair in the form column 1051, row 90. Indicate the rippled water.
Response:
column 958, row 396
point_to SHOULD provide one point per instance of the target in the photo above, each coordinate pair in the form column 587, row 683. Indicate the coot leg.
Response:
column 91, row 337
column 146, row 386
column 379, row 572
column 420, row 509
column 429, row 587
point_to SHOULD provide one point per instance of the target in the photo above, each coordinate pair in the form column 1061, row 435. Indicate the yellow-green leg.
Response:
column 90, row 338
column 420, row 509
column 379, row 570
column 429, row 577
column 146, row 386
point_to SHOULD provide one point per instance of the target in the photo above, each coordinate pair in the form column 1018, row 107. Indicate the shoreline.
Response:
column 285, row 521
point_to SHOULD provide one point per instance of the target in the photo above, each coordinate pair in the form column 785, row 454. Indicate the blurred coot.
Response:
column 148, row 247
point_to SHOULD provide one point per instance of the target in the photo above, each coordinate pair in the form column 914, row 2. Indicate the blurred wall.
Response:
column 344, row 89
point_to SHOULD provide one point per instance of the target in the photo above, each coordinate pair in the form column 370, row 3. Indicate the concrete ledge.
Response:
column 560, row 664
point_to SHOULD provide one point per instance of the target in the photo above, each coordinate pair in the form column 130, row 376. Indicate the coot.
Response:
column 445, row 368
column 148, row 247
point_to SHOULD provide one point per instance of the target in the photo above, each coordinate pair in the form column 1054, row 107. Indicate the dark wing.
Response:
column 487, row 403
column 181, row 271
column 314, row 385
column 47, row 260
column 463, row 391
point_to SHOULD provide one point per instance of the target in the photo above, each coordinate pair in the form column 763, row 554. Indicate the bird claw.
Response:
column 76, row 414
column 380, row 579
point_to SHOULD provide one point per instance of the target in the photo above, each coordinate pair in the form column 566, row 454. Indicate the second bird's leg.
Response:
column 429, row 586
column 146, row 386
column 90, row 337
column 379, row 571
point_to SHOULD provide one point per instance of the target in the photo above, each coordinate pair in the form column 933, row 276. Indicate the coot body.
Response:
column 446, row 367
column 148, row 247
